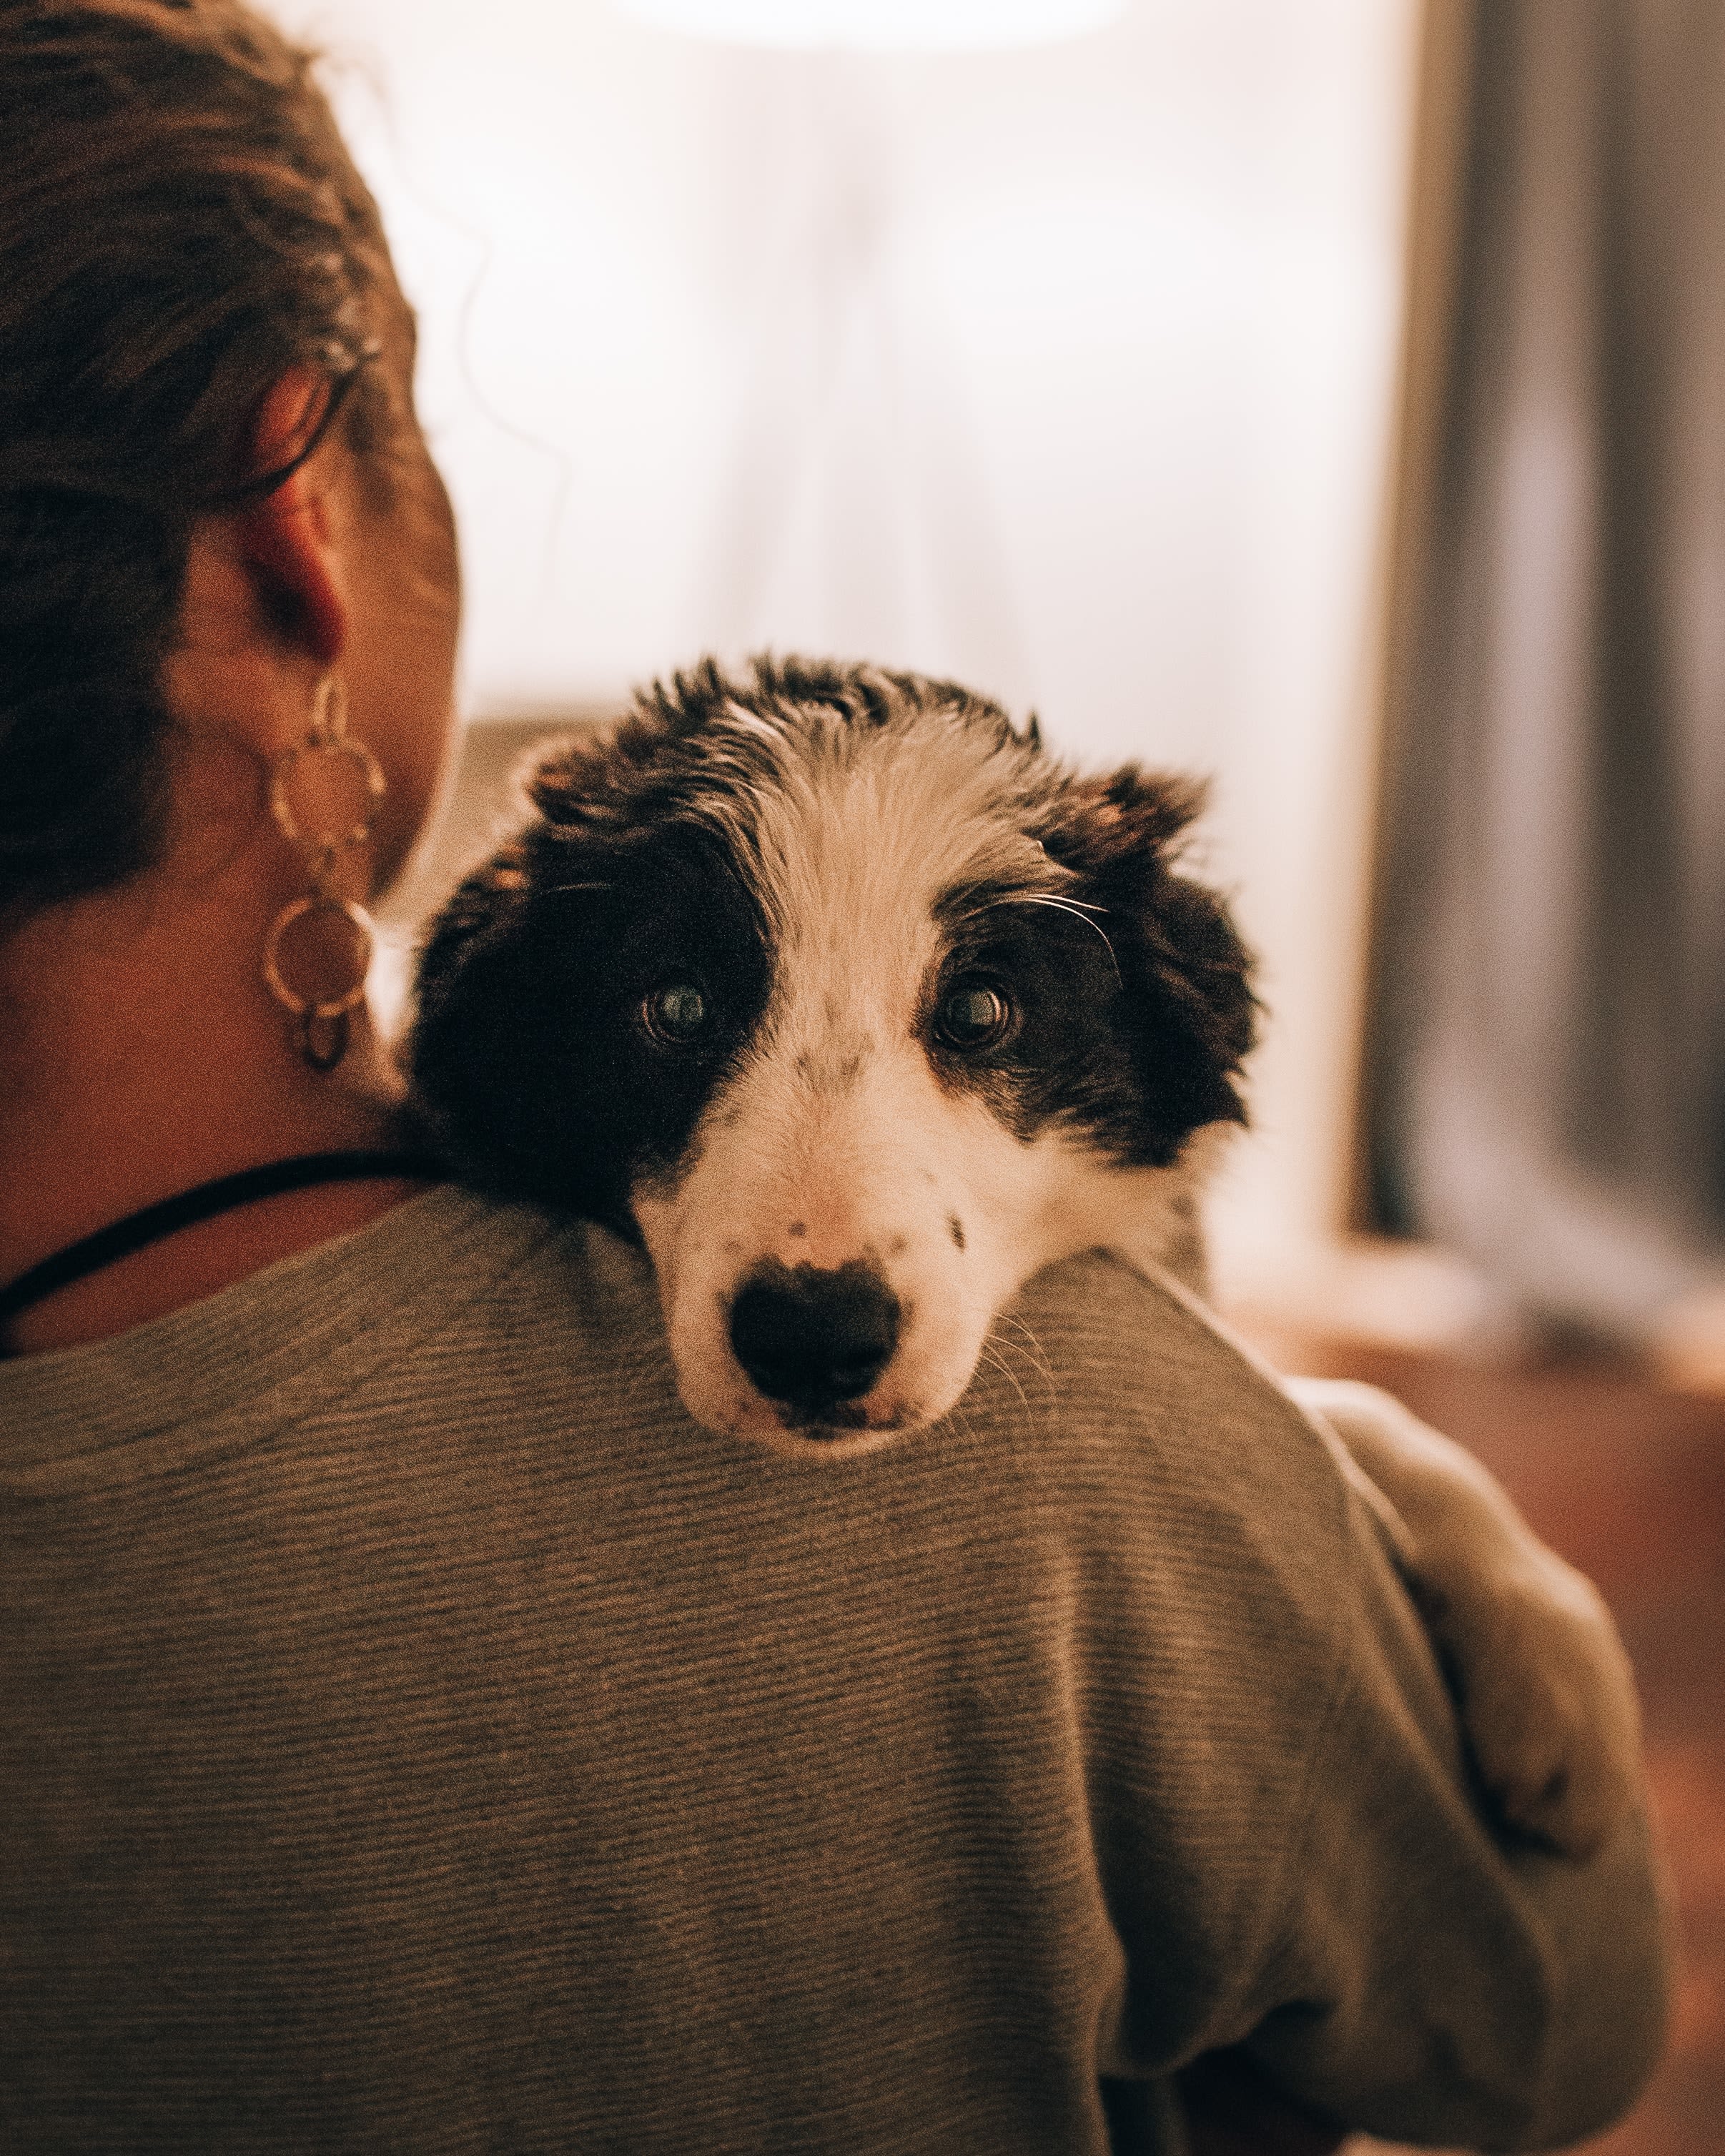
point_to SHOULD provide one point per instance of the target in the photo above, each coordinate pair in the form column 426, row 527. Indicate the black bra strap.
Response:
column 118, row 1240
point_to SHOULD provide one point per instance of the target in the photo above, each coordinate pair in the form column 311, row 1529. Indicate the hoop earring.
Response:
column 324, row 792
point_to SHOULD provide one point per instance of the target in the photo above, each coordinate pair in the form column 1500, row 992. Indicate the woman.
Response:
column 197, row 300
column 418, row 1734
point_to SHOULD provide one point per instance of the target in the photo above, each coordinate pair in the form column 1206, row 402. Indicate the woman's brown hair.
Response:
column 180, row 225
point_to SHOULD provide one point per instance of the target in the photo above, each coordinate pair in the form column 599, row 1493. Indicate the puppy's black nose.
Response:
column 814, row 1339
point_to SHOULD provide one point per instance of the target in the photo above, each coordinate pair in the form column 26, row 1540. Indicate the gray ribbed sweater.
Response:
column 419, row 1736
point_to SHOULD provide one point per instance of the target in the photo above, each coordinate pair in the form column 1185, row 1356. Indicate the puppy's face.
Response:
column 855, row 1007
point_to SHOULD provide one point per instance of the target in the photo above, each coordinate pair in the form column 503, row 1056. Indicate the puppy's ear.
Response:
column 601, row 786
column 1186, row 977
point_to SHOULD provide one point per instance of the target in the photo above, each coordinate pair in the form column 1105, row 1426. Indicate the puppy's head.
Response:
column 850, row 1002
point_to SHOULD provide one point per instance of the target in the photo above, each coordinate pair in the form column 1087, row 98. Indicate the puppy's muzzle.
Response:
column 814, row 1340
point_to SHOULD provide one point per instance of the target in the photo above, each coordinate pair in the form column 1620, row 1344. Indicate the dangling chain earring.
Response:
column 323, row 793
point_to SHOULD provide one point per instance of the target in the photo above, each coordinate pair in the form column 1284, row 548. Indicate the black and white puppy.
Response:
column 857, row 1007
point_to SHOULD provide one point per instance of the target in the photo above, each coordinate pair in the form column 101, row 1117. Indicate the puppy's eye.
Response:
column 676, row 1014
column 974, row 1014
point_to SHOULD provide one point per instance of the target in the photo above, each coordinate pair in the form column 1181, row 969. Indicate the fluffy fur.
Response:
column 960, row 1015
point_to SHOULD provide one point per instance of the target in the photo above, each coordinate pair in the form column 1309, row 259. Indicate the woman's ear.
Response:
column 286, row 540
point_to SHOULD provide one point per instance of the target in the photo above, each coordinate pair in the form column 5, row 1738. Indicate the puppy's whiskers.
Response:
column 1079, row 911
column 993, row 1356
column 1028, row 1349
column 999, row 1350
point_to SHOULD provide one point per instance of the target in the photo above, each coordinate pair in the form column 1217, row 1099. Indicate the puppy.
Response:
column 856, row 1007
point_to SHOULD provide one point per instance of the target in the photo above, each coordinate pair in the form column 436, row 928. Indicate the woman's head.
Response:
column 182, row 231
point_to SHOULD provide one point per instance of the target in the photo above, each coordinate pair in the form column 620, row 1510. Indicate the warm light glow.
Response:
column 877, row 25
column 1067, row 371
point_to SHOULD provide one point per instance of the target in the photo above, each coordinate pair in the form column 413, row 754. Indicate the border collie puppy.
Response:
column 857, row 1008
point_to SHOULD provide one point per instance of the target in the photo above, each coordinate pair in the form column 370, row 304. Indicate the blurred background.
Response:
column 1329, row 397
column 1321, row 398
column 1066, row 366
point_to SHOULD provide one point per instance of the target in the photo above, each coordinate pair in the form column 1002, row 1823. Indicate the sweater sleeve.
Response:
column 1430, row 1979
column 1292, row 1850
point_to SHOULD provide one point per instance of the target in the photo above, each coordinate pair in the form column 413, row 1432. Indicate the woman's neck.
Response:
column 141, row 1055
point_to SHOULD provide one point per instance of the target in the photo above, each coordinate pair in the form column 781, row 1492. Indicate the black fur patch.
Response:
column 1133, row 1012
column 530, row 1057
column 1184, row 1017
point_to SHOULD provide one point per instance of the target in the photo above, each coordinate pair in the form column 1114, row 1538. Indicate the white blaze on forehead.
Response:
column 850, row 833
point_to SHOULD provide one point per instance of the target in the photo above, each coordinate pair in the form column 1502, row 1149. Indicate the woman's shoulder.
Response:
column 1144, row 1374
column 453, row 1307
column 1194, row 1491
